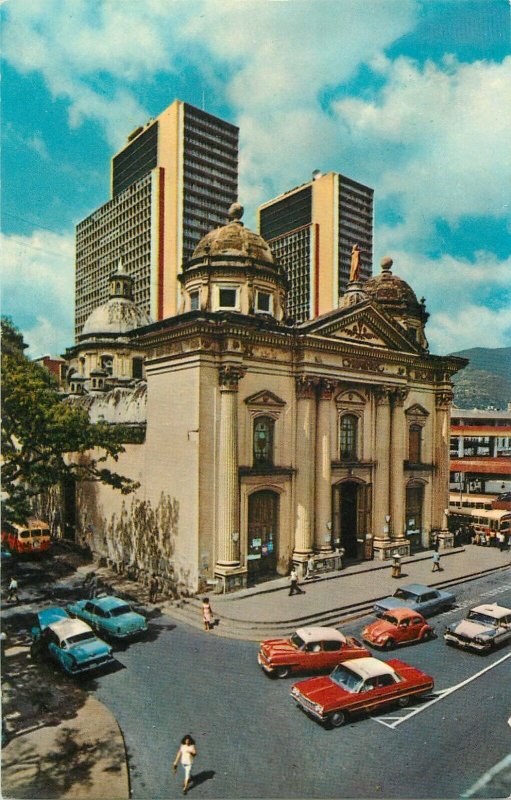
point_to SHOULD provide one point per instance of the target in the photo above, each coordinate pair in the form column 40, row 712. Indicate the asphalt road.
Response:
column 254, row 743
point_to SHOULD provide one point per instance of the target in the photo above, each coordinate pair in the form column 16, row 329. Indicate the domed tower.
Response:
column 233, row 269
column 105, row 354
column 399, row 300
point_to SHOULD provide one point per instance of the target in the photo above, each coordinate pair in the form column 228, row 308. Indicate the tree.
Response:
column 45, row 439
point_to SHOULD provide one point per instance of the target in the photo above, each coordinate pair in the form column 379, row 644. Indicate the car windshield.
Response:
column 36, row 532
column 296, row 641
column 485, row 619
column 86, row 636
column 390, row 618
column 346, row 679
column 119, row 611
column 404, row 594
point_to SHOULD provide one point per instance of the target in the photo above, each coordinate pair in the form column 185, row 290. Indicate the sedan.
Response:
column 401, row 626
column 362, row 685
column 484, row 628
column 69, row 642
column 416, row 597
column 110, row 616
column 308, row 650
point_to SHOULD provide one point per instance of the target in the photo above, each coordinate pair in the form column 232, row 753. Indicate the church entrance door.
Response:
column 351, row 504
column 263, row 522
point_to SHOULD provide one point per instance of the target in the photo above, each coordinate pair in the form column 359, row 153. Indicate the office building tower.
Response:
column 311, row 230
column 172, row 182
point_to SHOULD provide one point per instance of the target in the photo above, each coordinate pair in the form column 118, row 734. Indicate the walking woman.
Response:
column 185, row 755
column 207, row 614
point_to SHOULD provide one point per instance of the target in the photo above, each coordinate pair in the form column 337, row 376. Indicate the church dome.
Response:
column 117, row 316
column 233, row 241
column 393, row 293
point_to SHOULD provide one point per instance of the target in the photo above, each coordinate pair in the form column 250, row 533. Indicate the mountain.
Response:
column 486, row 380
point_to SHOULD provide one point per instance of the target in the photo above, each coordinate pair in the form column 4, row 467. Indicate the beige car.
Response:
column 484, row 628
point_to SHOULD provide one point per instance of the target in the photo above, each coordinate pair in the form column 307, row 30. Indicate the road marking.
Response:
column 485, row 779
column 392, row 721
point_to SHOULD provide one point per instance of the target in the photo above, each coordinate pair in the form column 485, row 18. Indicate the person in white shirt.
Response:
column 186, row 753
column 13, row 590
column 294, row 588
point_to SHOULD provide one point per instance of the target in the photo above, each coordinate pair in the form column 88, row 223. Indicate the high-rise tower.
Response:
column 172, row 182
column 311, row 230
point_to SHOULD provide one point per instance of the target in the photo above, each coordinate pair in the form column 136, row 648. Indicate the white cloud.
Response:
column 38, row 289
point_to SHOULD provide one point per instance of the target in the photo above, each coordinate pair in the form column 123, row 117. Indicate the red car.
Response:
column 362, row 685
column 308, row 650
column 399, row 626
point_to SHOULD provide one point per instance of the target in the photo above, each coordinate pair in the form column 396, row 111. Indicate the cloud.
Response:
column 38, row 288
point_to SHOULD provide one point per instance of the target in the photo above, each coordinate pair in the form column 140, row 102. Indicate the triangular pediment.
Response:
column 264, row 398
column 363, row 324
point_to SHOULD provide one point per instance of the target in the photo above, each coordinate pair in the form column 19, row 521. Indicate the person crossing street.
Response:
column 294, row 588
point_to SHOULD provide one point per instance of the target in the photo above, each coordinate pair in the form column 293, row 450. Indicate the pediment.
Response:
column 265, row 398
column 417, row 411
column 362, row 324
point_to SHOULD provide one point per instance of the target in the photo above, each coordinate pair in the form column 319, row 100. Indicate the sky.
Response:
column 410, row 97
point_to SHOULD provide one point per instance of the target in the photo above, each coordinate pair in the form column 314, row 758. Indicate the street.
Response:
column 253, row 742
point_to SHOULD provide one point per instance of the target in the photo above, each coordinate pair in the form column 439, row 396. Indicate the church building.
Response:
column 264, row 440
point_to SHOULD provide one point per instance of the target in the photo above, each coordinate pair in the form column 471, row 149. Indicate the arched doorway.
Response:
column 351, row 515
column 263, row 526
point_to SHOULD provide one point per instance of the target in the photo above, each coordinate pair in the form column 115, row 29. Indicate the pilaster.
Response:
column 323, row 477
column 381, row 517
column 443, row 400
column 305, row 458
column 397, row 458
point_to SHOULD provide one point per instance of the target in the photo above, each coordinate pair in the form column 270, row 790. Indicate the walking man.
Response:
column 153, row 589
column 310, row 567
column 294, row 588
column 436, row 562
column 13, row 591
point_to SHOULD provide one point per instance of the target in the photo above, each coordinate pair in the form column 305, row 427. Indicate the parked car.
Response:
column 69, row 642
column 360, row 685
column 308, row 650
column 416, row 597
column 484, row 628
column 401, row 626
column 109, row 616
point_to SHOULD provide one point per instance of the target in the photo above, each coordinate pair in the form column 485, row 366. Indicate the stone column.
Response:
column 397, row 457
column 323, row 481
column 305, row 457
column 443, row 402
column 228, row 513
column 382, row 477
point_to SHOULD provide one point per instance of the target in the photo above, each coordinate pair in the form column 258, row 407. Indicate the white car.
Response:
column 485, row 627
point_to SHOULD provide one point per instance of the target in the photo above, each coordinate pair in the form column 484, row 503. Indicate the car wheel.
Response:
column 336, row 719
column 404, row 701
column 426, row 636
column 389, row 644
column 282, row 672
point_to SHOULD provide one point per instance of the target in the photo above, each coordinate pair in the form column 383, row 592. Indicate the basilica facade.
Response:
column 267, row 440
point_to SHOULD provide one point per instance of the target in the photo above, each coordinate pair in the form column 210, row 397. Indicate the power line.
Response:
column 41, row 249
column 31, row 222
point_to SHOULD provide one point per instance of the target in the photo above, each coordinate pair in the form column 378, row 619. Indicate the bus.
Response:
column 477, row 513
column 30, row 539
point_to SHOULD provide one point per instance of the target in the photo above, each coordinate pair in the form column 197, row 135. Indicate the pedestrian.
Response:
column 501, row 536
column 294, row 588
column 13, row 590
column 153, row 589
column 185, row 754
column 436, row 544
column 310, row 567
column 207, row 614
column 93, row 586
column 436, row 562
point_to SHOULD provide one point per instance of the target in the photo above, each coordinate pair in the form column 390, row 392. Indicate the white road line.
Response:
column 440, row 695
column 485, row 779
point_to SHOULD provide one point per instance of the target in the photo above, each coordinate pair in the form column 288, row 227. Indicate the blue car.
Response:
column 69, row 642
column 417, row 597
column 109, row 616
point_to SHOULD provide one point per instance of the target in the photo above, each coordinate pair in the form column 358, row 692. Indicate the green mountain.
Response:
column 486, row 380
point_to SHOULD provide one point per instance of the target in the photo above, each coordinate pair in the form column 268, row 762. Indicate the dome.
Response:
column 233, row 241
column 116, row 317
column 393, row 292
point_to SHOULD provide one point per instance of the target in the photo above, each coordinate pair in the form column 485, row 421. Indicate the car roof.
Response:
column 402, row 612
column 69, row 627
column 416, row 588
column 493, row 609
column 109, row 602
column 369, row 667
column 314, row 633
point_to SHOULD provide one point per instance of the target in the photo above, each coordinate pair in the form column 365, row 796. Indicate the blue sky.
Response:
column 412, row 97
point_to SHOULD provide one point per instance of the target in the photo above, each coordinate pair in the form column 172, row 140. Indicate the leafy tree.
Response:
column 46, row 439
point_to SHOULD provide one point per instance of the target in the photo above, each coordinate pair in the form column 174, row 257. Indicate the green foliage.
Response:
column 44, row 439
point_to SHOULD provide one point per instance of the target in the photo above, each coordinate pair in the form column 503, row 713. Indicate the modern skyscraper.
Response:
column 171, row 183
column 311, row 230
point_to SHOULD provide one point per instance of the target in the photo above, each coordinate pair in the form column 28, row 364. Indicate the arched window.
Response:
column 414, row 444
column 263, row 440
column 348, row 438
column 107, row 363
